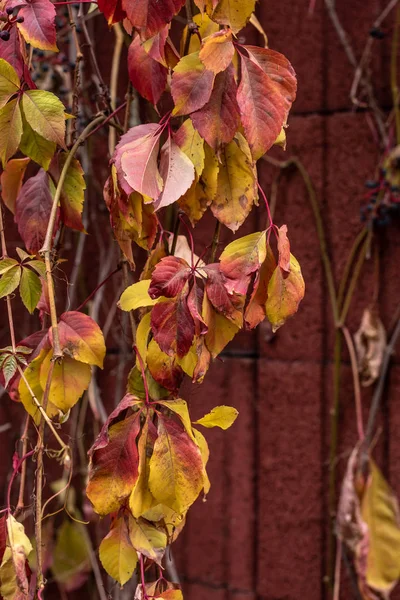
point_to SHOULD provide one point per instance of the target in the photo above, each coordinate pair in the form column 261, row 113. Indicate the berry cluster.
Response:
column 8, row 18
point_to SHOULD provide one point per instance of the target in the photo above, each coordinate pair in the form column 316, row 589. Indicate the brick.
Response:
column 289, row 514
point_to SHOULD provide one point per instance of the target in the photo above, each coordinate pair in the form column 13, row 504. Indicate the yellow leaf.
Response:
column 220, row 329
column 236, row 188
column 69, row 380
column 180, row 408
column 285, row 292
column 189, row 361
column 141, row 499
column 205, row 455
column 142, row 338
column 45, row 114
column 9, row 82
column 379, row 510
column 147, row 539
column 11, row 181
column 10, row 130
column 206, row 27
column 117, row 555
column 176, row 467
column 220, row 416
column 137, row 296
column 234, row 13
column 13, row 578
column 192, row 144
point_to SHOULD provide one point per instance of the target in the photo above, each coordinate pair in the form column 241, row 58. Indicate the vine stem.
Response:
column 115, row 66
column 356, row 382
column 215, row 241
column 45, row 250
column 20, row 504
column 393, row 73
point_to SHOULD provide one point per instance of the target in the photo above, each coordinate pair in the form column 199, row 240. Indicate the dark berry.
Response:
column 45, row 68
column 371, row 184
column 20, row 20
column 9, row 10
column 5, row 35
column 377, row 33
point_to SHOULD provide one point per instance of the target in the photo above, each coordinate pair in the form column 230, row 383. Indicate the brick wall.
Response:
column 261, row 535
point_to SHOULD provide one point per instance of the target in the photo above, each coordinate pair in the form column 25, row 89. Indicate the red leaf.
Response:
column 177, row 171
column 37, row 341
column 230, row 305
column 102, row 439
column 218, row 121
column 194, row 301
column 112, row 10
column 150, row 16
column 173, row 326
column 283, row 249
column 191, row 84
column 255, row 311
column 32, row 211
column 38, row 27
column 13, row 51
column 265, row 95
column 81, row 338
column 135, row 159
column 163, row 368
column 148, row 76
column 161, row 49
column 217, row 51
column 169, row 277
column 114, row 468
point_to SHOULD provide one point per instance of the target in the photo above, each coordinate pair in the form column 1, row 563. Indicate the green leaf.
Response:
column 9, row 82
column 6, row 264
column 220, row 416
column 30, row 289
column 10, row 130
column 38, row 266
column 36, row 146
column 137, row 296
column 45, row 114
column 9, row 368
column 71, row 557
column 147, row 539
column 9, row 281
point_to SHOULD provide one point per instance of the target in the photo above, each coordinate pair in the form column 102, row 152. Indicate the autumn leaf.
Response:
column 150, row 16
column 147, row 539
column 230, row 304
column 256, row 308
column 141, row 499
column 14, row 53
column 112, row 10
column 137, row 296
column 71, row 564
column 73, row 191
column 169, row 277
column 45, row 114
column 163, row 368
column 379, row 510
column 173, row 326
column 10, row 130
column 220, row 329
column 234, row 13
column 11, row 181
column 266, row 92
column 177, row 172
column 192, row 144
column 38, row 27
column 285, row 291
column 113, row 468
column 9, row 82
column 81, row 338
column 191, row 84
column 13, row 573
column 135, row 159
column 148, row 76
column 219, row 119
column 116, row 553
column 217, row 51
column 161, row 48
column 236, row 187
column 220, row 416
column 176, row 468
column 370, row 342
column 241, row 258
column 283, row 249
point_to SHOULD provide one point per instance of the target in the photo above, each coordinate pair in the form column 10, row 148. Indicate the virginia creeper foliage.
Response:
column 218, row 106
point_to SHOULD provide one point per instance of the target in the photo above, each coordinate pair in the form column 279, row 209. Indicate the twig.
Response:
column 115, row 66
column 356, row 381
column 20, row 504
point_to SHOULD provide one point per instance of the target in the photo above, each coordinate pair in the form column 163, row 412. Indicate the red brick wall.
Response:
column 261, row 535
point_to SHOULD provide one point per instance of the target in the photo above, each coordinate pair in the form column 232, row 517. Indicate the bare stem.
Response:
column 356, row 381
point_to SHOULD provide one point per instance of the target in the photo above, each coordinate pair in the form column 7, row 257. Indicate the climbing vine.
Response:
column 201, row 108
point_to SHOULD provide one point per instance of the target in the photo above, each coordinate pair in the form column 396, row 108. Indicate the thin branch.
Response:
column 356, row 382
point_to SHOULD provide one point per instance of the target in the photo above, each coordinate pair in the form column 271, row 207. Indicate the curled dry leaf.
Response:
column 370, row 342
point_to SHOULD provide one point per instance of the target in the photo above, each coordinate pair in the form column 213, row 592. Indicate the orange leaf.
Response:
column 217, row 51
